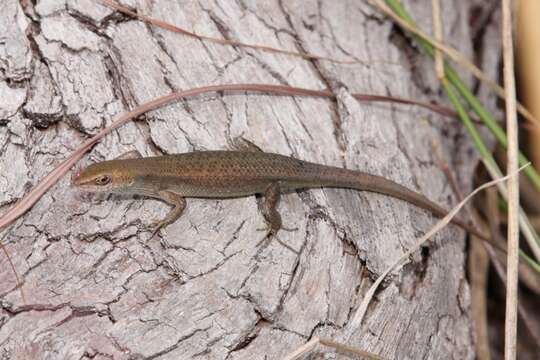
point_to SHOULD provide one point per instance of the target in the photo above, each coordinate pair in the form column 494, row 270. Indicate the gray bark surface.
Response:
column 98, row 288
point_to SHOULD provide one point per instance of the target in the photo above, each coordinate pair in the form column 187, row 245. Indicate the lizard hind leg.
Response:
column 272, row 195
column 179, row 203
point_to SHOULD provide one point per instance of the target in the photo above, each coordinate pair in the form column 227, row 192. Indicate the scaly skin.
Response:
column 225, row 174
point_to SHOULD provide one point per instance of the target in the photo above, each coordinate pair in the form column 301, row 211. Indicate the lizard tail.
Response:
column 343, row 178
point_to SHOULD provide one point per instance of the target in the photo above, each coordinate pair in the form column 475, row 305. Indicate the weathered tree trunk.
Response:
column 97, row 287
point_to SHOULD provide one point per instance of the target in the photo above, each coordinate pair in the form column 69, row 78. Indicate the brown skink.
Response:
column 229, row 174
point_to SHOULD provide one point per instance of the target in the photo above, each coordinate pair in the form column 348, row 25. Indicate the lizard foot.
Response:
column 272, row 231
column 179, row 205
column 155, row 227
column 271, row 234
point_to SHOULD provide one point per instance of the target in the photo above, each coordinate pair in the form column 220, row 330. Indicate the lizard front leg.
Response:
column 179, row 203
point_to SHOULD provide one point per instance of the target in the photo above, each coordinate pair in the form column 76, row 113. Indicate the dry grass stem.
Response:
column 512, row 264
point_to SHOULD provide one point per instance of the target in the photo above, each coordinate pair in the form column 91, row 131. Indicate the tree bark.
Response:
column 98, row 287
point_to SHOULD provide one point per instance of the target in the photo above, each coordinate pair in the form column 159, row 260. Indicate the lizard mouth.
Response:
column 78, row 181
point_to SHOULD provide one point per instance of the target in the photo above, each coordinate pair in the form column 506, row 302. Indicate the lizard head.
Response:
column 106, row 176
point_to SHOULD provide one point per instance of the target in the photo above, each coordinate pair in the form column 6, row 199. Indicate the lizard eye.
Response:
column 103, row 180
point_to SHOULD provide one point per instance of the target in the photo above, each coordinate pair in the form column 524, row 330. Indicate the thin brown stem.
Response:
column 179, row 30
